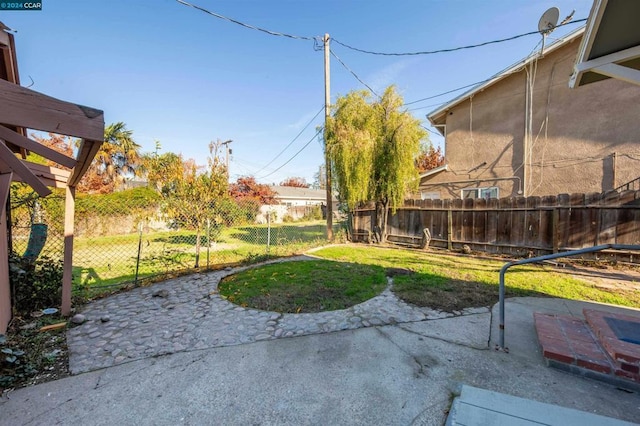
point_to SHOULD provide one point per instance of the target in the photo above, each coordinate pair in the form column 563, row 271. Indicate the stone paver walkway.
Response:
column 187, row 313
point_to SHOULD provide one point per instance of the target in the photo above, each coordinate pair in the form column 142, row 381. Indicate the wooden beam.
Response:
column 67, row 264
column 86, row 154
column 50, row 176
column 616, row 57
column 8, row 62
column 619, row 72
column 27, row 108
column 33, row 146
column 19, row 168
column 5, row 286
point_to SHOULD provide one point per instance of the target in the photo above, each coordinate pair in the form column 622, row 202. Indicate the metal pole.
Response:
column 268, row 230
column 135, row 282
column 208, row 240
column 541, row 259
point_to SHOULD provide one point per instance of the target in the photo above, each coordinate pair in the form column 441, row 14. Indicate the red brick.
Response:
column 627, row 375
column 558, row 355
column 595, row 365
column 630, row 368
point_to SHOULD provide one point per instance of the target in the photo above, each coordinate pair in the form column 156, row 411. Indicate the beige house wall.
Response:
column 583, row 140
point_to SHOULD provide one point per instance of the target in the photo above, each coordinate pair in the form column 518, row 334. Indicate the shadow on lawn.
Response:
column 447, row 294
column 278, row 234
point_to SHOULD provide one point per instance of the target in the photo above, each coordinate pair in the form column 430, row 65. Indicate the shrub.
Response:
column 36, row 286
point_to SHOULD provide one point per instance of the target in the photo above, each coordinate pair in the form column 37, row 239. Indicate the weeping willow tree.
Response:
column 372, row 145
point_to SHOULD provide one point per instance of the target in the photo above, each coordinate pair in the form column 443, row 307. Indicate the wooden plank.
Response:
column 504, row 222
column 15, row 164
column 27, row 108
column 628, row 227
column 457, row 220
column 449, row 229
column 562, row 226
column 492, row 221
column 532, row 223
column 87, row 152
column 466, row 231
column 53, row 327
column 480, row 221
column 518, row 222
column 33, row 146
column 49, row 175
column 8, row 61
column 5, row 287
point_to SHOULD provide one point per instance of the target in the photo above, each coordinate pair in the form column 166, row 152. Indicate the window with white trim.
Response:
column 429, row 195
column 486, row 193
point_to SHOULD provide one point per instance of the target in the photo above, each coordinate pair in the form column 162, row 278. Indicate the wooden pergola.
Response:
column 20, row 109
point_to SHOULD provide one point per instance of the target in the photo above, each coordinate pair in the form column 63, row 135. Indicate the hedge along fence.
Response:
column 521, row 226
column 124, row 238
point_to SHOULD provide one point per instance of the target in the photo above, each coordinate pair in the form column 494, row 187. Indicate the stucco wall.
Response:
column 583, row 140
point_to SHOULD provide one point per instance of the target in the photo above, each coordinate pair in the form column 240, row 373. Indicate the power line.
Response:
column 354, row 74
column 472, row 84
column 273, row 33
column 290, row 143
column 447, row 92
column 294, row 155
column 453, row 49
column 430, row 131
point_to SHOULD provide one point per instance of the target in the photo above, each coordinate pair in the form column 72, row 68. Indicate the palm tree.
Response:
column 118, row 157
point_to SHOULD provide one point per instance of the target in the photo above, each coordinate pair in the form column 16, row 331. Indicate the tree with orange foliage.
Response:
column 61, row 143
column 246, row 188
column 296, row 182
column 429, row 158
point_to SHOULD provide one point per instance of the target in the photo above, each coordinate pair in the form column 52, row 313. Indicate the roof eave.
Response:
column 436, row 117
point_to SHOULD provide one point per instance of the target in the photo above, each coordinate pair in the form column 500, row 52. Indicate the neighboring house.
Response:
column 294, row 202
column 293, row 196
column 525, row 132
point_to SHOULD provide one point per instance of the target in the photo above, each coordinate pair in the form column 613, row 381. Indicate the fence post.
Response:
column 208, row 240
column 268, row 230
column 135, row 282
column 449, row 229
column 555, row 218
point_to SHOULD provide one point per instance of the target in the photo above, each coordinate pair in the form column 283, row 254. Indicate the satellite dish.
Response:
column 549, row 20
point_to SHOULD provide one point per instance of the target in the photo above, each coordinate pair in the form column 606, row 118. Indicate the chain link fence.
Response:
column 126, row 238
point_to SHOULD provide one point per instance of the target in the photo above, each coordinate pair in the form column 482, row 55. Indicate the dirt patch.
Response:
column 30, row 356
column 605, row 276
column 452, row 296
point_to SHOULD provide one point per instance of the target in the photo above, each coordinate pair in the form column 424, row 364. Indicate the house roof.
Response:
column 434, row 171
column 437, row 116
column 611, row 45
column 296, row 193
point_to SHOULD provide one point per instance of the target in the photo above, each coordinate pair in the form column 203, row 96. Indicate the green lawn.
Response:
column 304, row 286
column 111, row 260
column 451, row 282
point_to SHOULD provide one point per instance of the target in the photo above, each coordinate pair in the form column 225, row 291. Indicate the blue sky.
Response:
column 179, row 76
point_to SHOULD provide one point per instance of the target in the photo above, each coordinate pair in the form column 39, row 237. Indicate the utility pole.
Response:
column 228, row 150
column 327, row 161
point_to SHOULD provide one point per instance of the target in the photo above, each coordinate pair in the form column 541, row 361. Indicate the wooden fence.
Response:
column 520, row 226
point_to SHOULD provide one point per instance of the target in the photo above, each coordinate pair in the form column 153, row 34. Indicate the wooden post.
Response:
column 67, row 274
column 555, row 238
column 5, row 285
column 327, row 161
column 449, row 229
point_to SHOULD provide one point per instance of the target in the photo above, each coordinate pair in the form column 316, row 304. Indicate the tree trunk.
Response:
column 382, row 211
